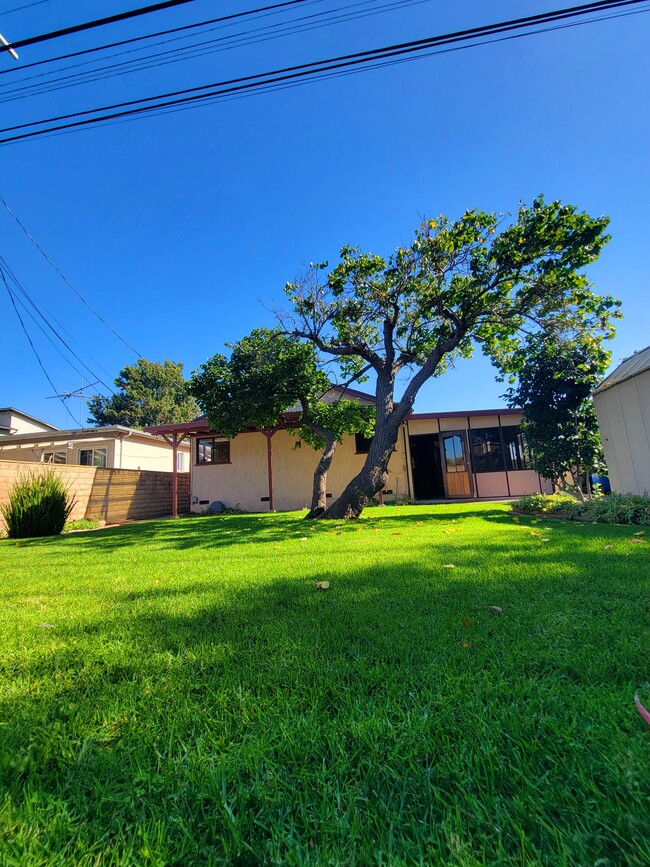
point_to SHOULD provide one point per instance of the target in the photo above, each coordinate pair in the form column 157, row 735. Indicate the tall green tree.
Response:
column 271, row 379
column 461, row 283
column 555, row 378
column 148, row 393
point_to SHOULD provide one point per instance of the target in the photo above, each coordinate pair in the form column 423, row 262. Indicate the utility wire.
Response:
column 66, row 281
column 35, row 306
column 38, row 357
column 188, row 52
column 292, row 73
column 20, row 8
column 90, row 25
column 154, row 35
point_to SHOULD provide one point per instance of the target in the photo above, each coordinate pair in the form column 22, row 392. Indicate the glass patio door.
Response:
column 455, row 464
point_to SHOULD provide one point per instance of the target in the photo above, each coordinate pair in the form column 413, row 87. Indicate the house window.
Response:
column 55, row 457
column 93, row 457
column 487, row 454
column 516, row 449
column 212, row 451
column 362, row 444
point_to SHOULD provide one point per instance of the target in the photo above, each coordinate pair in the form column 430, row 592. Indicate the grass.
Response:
column 177, row 692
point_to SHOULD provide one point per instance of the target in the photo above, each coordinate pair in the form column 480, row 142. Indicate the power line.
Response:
column 35, row 306
column 236, row 40
column 26, row 6
column 275, row 6
column 66, row 281
column 38, row 357
column 98, row 22
column 261, row 81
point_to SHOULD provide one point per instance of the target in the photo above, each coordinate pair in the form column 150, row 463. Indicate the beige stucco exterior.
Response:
column 13, row 422
column 244, row 482
column 623, row 411
column 125, row 449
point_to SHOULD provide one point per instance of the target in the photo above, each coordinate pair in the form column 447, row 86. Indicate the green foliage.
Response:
column 270, row 378
column 150, row 393
column 461, row 283
column 39, row 505
column 555, row 378
column 547, row 504
column 612, row 509
column 187, row 697
column 81, row 524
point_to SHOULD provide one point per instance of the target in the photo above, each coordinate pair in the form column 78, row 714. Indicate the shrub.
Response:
column 613, row 509
column 547, row 504
column 39, row 505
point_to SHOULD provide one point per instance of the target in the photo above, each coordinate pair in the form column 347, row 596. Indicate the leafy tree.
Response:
column 149, row 393
column 271, row 379
column 555, row 378
column 460, row 283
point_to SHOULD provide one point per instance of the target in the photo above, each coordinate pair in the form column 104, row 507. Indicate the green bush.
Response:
column 547, row 504
column 613, row 509
column 39, row 505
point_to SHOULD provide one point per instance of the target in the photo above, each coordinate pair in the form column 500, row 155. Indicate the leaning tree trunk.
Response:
column 370, row 480
column 319, row 490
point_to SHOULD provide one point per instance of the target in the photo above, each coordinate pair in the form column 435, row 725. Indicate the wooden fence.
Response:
column 116, row 495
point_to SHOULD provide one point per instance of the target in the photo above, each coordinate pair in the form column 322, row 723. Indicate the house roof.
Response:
column 14, row 411
column 632, row 366
column 79, row 435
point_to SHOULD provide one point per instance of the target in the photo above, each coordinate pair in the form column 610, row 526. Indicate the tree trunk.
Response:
column 319, row 490
column 372, row 477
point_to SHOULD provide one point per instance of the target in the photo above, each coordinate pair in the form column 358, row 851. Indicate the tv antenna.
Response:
column 78, row 392
column 7, row 45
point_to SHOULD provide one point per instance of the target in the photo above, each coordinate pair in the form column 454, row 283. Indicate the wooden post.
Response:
column 174, row 442
column 268, row 433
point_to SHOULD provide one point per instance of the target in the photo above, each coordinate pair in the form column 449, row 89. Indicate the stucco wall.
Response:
column 243, row 483
column 20, row 425
column 122, row 453
column 623, row 413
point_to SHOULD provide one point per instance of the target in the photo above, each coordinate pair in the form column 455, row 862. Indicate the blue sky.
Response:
column 182, row 229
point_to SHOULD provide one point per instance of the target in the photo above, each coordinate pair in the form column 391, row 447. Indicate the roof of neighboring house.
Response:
column 632, row 366
column 80, row 434
column 26, row 415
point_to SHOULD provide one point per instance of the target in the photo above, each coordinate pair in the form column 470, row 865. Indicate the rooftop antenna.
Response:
column 78, row 392
column 7, row 45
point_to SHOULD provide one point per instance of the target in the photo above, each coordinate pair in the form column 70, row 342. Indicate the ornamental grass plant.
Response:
column 39, row 504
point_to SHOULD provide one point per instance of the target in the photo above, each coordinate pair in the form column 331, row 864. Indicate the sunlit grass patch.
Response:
column 180, row 692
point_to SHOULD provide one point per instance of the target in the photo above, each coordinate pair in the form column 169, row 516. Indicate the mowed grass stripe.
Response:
column 178, row 692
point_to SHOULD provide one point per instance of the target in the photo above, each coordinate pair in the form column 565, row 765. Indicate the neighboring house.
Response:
column 13, row 421
column 114, row 447
column 438, row 456
column 622, row 403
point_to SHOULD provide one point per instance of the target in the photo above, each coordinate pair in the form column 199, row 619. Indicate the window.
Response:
column 93, row 457
column 212, row 451
column 487, row 454
column 55, row 457
column 362, row 444
column 454, row 454
column 516, row 449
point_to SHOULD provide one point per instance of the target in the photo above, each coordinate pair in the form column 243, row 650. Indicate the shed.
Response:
column 622, row 403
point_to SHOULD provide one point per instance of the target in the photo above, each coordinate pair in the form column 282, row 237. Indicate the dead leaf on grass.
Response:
column 466, row 644
column 46, row 625
column 448, row 566
column 396, row 534
column 466, row 621
column 644, row 713
column 607, row 547
column 495, row 608
column 640, row 541
column 322, row 585
column 640, row 533
column 544, row 539
column 303, row 539
column 535, row 533
column 516, row 519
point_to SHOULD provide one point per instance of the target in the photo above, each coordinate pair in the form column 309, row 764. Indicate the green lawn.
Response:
column 177, row 692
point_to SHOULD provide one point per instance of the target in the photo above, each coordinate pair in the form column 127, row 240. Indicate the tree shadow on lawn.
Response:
column 224, row 531
column 261, row 719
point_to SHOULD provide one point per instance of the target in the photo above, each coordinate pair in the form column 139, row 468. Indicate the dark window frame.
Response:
column 523, row 456
column 215, row 441
column 361, row 444
column 500, row 455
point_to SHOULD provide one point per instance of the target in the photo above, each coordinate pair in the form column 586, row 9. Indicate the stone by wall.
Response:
column 117, row 495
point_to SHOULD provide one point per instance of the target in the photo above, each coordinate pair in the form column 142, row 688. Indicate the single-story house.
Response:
column 114, row 447
column 622, row 404
column 478, row 454
column 13, row 421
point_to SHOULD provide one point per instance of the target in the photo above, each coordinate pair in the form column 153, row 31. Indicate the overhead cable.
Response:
column 98, row 22
column 66, row 281
column 260, row 81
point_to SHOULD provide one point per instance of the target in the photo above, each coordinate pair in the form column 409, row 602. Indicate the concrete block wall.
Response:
column 117, row 495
